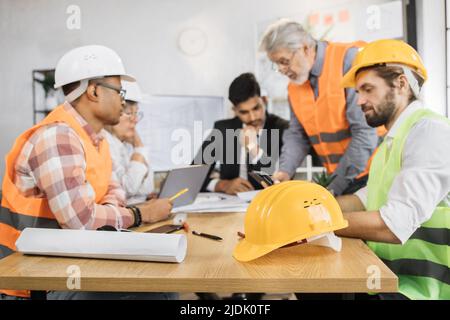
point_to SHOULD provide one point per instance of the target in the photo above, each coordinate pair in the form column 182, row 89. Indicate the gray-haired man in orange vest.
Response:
column 324, row 116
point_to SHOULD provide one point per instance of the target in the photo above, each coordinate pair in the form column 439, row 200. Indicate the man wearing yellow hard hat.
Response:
column 404, row 212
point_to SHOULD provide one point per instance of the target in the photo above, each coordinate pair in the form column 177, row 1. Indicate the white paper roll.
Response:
column 103, row 244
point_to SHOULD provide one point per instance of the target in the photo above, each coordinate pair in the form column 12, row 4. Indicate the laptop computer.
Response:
column 191, row 177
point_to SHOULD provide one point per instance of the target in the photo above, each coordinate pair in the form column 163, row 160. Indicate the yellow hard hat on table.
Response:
column 386, row 51
column 286, row 213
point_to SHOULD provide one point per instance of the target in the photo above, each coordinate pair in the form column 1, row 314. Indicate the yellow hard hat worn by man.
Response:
column 286, row 213
column 404, row 210
column 384, row 52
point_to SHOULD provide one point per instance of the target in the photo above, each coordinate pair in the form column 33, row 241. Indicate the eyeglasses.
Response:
column 283, row 63
column 137, row 116
column 120, row 91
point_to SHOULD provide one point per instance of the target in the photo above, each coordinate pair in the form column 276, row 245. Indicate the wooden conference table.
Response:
column 210, row 267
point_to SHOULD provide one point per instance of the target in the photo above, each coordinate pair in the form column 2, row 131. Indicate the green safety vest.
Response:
column 422, row 262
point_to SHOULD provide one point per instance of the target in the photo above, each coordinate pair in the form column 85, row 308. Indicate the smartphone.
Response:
column 261, row 176
column 167, row 228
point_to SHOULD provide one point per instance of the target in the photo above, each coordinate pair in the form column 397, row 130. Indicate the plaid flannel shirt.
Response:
column 52, row 164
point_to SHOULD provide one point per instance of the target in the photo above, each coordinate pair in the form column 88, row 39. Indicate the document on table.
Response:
column 103, row 244
column 214, row 202
column 248, row 195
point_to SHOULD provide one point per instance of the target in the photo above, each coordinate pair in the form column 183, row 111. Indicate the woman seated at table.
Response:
column 131, row 165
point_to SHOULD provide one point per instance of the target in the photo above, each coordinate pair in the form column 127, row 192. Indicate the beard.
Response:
column 382, row 113
column 301, row 78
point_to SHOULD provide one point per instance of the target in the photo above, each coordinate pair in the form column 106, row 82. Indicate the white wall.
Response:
column 33, row 35
column 431, row 43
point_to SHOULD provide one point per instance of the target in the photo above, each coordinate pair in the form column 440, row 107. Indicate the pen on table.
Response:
column 172, row 198
column 209, row 236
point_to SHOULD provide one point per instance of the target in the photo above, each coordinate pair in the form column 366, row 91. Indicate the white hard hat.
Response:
column 133, row 91
column 88, row 62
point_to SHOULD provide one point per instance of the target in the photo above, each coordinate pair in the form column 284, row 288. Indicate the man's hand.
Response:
column 280, row 176
column 155, row 210
column 233, row 186
column 137, row 142
column 138, row 157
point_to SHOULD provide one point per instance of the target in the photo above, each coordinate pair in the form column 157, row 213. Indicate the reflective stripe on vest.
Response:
column 330, row 137
column 20, row 221
column 331, row 158
column 422, row 262
column 19, row 212
column 5, row 251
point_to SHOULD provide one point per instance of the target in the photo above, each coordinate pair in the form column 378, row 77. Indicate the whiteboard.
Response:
column 174, row 127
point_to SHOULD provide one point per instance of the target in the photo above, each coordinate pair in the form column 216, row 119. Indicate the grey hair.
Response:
column 285, row 33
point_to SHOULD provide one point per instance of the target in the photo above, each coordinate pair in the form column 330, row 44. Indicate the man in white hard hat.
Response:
column 58, row 173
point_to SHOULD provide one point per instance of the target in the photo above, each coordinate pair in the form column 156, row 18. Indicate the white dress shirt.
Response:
column 424, row 179
column 242, row 163
column 135, row 177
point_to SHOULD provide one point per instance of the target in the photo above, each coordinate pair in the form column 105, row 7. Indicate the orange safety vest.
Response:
column 19, row 212
column 324, row 120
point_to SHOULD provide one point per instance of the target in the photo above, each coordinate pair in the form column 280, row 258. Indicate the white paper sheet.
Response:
column 242, row 208
column 328, row 239
column 103, row 244
column 248, row 195
column 214, row 202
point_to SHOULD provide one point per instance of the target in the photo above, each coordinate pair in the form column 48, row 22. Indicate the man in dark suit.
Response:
column 251, row 141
